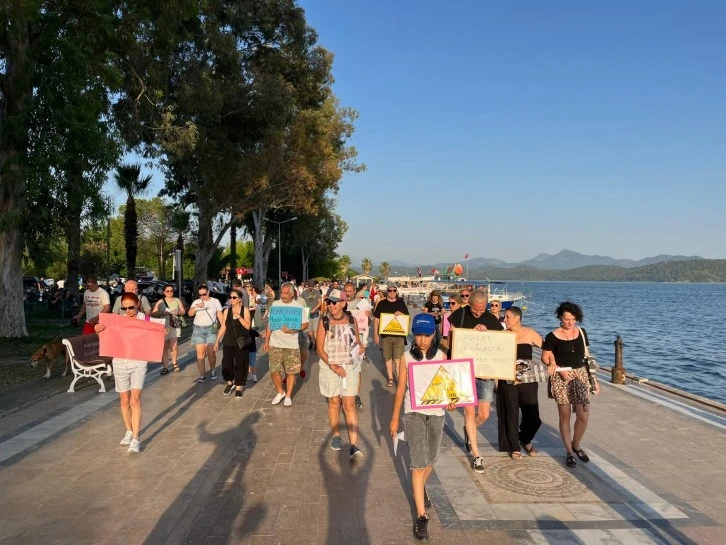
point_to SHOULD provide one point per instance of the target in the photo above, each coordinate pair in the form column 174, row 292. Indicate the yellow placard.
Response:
column 390, row 324
column 494, row 352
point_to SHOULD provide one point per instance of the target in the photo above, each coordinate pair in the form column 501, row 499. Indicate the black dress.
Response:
column 511, row 398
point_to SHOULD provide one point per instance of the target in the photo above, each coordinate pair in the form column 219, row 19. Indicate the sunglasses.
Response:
column 127, row 308
column 464, row 296
column 393, row 290
column 329, row 302
column 453, row 302
column 168, row 291
column 204, row 294
column 235, row 297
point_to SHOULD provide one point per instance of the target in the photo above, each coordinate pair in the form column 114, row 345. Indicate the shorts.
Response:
column 204, row 334
column 88, row 329
column 423, row 434
column 573, row 392
column 172, row 333
column 129, row 376
column 303, row 340
column 284, row 358
column 331, row 385
column 253, row 359
column 313, row 327
column 485, row 390
column 392, row 348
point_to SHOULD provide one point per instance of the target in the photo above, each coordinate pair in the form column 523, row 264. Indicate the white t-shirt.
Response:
column 279, row 339
column 95, row 301
column 407, row 400
column 206, row 316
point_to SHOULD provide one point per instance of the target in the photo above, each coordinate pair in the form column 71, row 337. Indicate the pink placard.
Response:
column 361, row 319
column 446, row 324
column 431, row 383
column 130, row 338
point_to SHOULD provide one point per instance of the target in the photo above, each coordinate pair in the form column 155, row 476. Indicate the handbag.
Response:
column 244, row 341
column 590, row 363
column 528, row 371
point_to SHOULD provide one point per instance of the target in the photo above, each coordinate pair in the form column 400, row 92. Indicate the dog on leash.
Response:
column 49, row 353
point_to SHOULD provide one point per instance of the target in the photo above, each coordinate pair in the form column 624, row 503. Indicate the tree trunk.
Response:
column 207, row 244
column 305, row 262
column 233, row 248
column 263, row 245
column 131, row 236
column 74, row 211
column 16, row 88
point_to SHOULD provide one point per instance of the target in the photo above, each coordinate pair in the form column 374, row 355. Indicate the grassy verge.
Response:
column 15, row 353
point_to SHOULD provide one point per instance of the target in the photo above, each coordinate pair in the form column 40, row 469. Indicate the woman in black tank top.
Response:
column 235, row 360
column 513, row 397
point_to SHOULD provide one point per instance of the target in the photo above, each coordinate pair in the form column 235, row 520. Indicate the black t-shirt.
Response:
column 487, row 319
column 434, row 308
column 389, row 307
column 567, row 353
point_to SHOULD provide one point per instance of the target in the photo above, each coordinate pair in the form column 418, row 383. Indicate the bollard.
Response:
column 618, row 371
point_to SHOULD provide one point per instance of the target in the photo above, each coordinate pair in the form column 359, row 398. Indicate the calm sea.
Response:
column 673, row 333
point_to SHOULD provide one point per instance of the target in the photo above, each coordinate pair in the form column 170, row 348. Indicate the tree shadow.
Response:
column 217, row 493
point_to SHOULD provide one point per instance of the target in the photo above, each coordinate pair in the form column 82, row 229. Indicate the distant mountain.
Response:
column 567, row 259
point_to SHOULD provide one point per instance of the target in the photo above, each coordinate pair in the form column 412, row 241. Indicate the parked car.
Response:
column 31, row 288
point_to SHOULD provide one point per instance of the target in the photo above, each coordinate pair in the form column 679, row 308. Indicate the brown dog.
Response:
column 50, row 352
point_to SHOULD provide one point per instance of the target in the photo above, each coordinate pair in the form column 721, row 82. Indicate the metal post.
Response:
column 178, row 271
column 279, row 257
column 618, row 373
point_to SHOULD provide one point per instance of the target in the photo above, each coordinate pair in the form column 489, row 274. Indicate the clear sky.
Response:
column 505, row 129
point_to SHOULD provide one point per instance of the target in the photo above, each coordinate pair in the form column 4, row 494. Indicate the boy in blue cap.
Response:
column 423, row 426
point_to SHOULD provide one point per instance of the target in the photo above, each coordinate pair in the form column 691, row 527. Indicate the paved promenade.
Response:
column 214, row 470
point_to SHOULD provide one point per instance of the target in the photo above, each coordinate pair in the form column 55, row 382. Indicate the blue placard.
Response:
column 285, row 316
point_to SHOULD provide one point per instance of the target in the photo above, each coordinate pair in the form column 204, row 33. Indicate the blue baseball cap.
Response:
column 423, row 324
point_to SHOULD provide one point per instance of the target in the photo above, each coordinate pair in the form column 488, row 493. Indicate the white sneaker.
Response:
column 253, row 378
column 135, row 446
column 127, row 438
column 213, row 375
column 288, row 401
column 278, row 398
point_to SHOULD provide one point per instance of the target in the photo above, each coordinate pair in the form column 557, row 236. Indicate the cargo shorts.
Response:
column 287, row 359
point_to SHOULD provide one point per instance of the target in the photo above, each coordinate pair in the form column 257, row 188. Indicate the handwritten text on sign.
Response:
column 285, row 316
column 494, row 352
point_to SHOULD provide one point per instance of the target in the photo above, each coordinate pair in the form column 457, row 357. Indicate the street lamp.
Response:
column 279, row 249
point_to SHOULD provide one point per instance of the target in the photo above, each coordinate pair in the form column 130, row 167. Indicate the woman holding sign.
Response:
column 129, row 377
column 424, row 427
column 563, row 352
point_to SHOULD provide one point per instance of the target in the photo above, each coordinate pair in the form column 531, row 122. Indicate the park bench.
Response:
column 85, row 361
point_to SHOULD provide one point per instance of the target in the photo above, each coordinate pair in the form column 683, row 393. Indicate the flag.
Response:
column 418, row 271
column 466, row 256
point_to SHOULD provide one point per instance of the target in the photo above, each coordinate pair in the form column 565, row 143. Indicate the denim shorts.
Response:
column 204, row 334
column 423, row 435
column 485, row 390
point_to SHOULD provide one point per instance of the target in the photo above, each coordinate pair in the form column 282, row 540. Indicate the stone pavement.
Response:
column 214, row 470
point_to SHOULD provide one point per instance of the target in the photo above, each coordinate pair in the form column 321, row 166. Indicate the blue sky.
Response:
column 506, row 129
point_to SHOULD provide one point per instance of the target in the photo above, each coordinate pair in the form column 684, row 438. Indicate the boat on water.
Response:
column 422, row 286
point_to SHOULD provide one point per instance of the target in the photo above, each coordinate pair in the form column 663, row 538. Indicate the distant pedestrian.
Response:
column 565, row 347
column 392, row 345
column 95, row 302
column 175, row 309
column 132, row 286
column 207, row 313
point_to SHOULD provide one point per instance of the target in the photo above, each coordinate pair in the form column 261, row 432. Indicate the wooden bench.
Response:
column 85, row 361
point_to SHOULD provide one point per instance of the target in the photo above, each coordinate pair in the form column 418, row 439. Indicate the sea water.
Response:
column 673, row 333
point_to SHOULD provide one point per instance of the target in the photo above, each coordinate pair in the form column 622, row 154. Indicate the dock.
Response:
column 215, row 470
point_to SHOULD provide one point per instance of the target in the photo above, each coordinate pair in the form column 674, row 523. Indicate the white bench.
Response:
column 85, row 361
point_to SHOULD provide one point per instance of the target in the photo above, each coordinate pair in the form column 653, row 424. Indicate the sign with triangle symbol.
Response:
column 443, row 389
column 393, row 328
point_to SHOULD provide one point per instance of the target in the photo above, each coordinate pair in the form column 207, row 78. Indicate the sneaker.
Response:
column 358, row 402
column 238, row 394
column 337, row 443
column 253, row 378
column 427, row 500
column 127, row 438
column 213, row 375
column 355, row 452
column 288, row 401
column 228, row 389
column 278, row 398
column 421, row 528
column 201, row 379
column 135, row 445
column 478, row 465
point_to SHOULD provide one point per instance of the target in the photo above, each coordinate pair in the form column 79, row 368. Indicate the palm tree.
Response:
column 366, row 265
column 128, row 178
column 384, row 269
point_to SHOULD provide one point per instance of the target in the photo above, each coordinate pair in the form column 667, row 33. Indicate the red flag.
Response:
column 418, row 271
column 466, row 256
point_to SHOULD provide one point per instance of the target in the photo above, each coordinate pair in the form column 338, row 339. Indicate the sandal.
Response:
column 515, row 455
column 164, row 371
column 390, row 382
column 531, row 451
column 581, row 454
column 176, row 368
column 570, row 461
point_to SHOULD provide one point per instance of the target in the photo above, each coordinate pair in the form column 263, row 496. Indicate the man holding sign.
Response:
column 475, row 316
column 286, row 319
column 392, row 345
